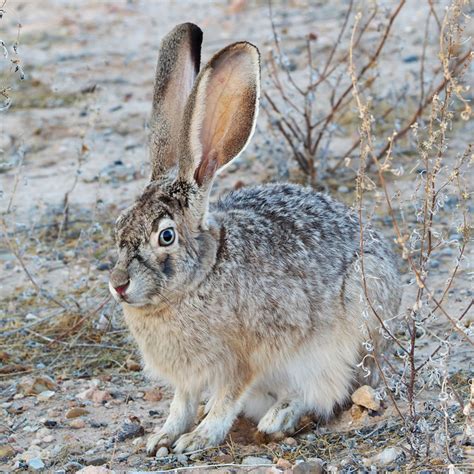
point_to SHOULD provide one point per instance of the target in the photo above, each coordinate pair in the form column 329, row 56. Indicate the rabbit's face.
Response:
column 157, row 251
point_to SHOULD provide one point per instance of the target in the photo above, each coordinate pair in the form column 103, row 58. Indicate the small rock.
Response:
column 411, row 59
column 130, row 431
column 34, row 386
column 283, row 463
column 95, row 470
column 221, row 458
column 384, row 458
column 290, row 441
column 103, row 266
column 132, row 365
column 101, row 396
column 6, row 451
column 76, row 412
column 50, row 424
column 153, row 395
column 36, row 464
column 255, row 461
column 77, row 423
column 343, row 189
column 97, row 424
column 122, row 457
column 72, row 466
column 162, row 452
column 310, row 466
column 365, row 397
column 97, row 461
column 357, row 412
column 45, row 396
column 182, row 458
column 48, row 439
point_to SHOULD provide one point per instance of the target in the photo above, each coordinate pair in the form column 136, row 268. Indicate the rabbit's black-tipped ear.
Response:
column 221, row 112
column 178, row 65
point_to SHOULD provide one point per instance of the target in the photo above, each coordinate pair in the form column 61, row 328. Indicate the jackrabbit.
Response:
column 257, row 300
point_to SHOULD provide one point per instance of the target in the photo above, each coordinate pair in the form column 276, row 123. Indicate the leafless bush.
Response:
column 308, row 106
column 430, row 333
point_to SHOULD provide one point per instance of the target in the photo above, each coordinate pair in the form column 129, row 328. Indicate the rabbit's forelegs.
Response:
column 224, row 408
column 183, row 410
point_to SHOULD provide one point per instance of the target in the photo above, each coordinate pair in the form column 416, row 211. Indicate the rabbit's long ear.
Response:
column 178, row 65
column 221, row 112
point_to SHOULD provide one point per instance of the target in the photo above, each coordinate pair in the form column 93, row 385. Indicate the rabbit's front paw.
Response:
column 197, row 439
column 156, row 440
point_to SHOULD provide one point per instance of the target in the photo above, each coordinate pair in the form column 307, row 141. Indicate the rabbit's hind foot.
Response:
column 283, row 416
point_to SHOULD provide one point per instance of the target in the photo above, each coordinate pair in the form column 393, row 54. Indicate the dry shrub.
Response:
column 425, row 201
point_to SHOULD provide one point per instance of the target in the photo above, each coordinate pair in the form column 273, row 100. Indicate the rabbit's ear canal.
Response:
column 178, row 65
column 221, row 114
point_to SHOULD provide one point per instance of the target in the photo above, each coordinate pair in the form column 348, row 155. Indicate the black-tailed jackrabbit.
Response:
column 257, row 300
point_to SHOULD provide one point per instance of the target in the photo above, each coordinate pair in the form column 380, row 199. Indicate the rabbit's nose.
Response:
column 119, row 280
column 122, row 289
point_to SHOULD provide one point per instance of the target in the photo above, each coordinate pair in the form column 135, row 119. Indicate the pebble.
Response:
column 290, row 441
column 411, row 59
column 129, row 431
column 283, row 463
column 310, row 466
column 76, row 412
column 343, row 189
column 153, row 395
column 97, row 461
column 182, row 458
column 6, row 451
column 96, row 395
column 132, row 365
column 36, row 464
column 48, row 439
column 77, row 423
column 255, row 461
column 221, row 458
column 384, row 458
column 365, row 397
column 34, row 386
column 95, row 470
column 162, row 452
column 103, row 266
column 50, row 424
column 447, row 252
column 357, row 412
column 45, row 396
column 101, row 396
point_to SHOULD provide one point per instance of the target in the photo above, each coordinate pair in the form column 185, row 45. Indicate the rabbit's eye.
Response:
column 166, row 237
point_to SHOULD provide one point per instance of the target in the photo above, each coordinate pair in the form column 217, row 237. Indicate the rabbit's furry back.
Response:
column 258, row 300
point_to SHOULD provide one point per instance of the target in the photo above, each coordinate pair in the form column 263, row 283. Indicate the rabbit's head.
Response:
column 199, row 123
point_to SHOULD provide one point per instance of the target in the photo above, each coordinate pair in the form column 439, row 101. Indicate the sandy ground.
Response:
column 77, row 127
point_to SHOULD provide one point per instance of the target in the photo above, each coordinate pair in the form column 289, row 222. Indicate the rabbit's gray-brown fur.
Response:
column 259, row 299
